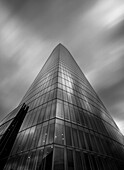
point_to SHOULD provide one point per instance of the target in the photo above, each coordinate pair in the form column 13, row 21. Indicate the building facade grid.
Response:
column 67, row 127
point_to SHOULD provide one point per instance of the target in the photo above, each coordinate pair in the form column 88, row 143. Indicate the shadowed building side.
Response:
column 8, row 138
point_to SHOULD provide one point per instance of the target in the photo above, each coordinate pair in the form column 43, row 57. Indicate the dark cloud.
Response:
column 15, row 5
column 113, row 94
column 115, row 33
column 51, row 19
column 8, row 67
column 3, row 108
column 11, row 93
column 118, row 32
column 47, row 6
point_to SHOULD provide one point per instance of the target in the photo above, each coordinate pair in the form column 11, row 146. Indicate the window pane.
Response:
column 53, row 108
column 47, row 159
column 40, row 156
column 32, row 160
column 24, row 140
column 50, row 134
column 88, row 141
column 75, row 137
column 59, row 94
column 59, row 134
column 68, row 136
column 66, row 111
column 47, row 112
column 41, row 115
column 43, row 136
column 59, row 110
column 59, row 159
column 72, row 114
column 76, row 115
column 35, row 117
column 93, row 161
column 82, row 118
column 30, row 137
column 87, row 161
column 70, row 161
column 82, row 140
column 93, row 143
column 78, row 161
column 38, row 131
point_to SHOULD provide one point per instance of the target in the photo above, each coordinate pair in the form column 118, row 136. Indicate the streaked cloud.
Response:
column 91, row 30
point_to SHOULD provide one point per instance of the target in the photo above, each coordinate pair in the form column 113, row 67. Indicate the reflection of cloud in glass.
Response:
column 32, row 130
column 68, row 82
column 27, row 132
column 87, row 104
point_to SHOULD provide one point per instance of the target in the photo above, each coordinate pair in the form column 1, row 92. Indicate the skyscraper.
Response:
column 66, row 126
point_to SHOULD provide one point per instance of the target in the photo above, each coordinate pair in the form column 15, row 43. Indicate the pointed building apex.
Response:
column 60, row 44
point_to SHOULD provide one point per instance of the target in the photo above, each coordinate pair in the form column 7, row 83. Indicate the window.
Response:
column 66, row 111
column 75, row 137
column 70, row 161
column 68, row 136
column 43, row 136
column 82, row 140
column 50, row 134
column 93, row 162
column 53, row 108
column 59, row 159
column 46, row 163
column 59, row 109
column 59, row 134
column 48, row 111
column 87, row 161
column 88, row 141
column 78, row 161
column 41, row 115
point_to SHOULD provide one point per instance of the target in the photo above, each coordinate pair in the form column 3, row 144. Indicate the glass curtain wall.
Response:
column 67, row 127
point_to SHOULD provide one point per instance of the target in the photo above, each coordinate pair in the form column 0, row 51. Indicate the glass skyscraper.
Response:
column 66, row 126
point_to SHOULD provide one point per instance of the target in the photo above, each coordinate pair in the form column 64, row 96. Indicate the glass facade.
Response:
column 67, row 127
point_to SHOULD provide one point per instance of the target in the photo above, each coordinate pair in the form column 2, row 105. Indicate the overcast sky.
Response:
column 92, row 30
